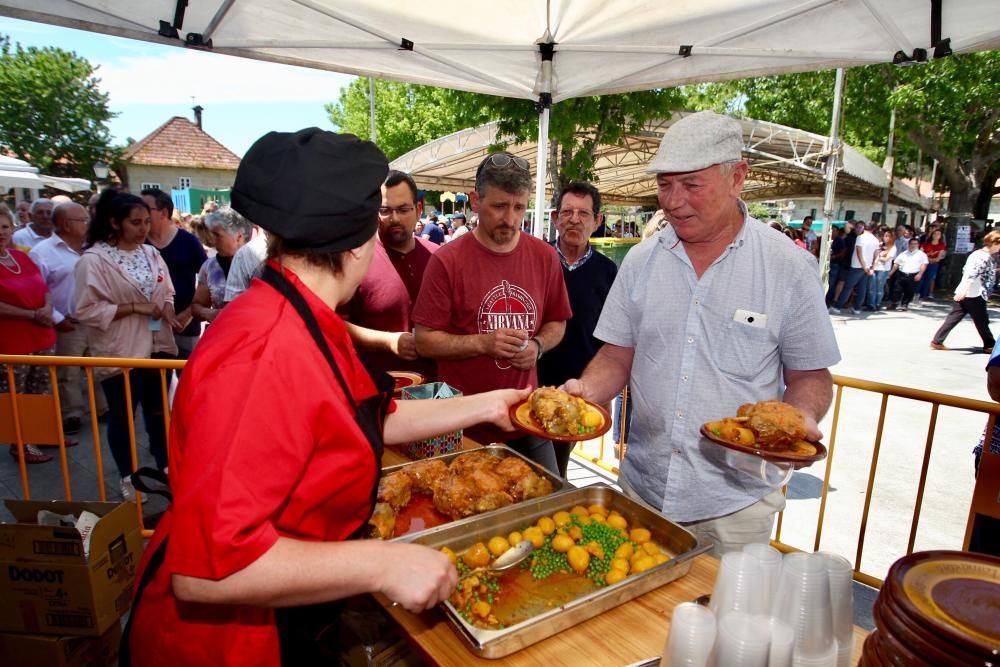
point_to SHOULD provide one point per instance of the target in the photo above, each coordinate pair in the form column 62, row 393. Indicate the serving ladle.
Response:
column 505, row 561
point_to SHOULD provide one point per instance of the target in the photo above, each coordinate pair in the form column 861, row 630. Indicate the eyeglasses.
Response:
column 570, row 213
column 387, row 211
column 501, row 160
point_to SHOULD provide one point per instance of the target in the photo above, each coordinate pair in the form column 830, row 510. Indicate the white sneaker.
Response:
column 128, row 491
column 834, row 311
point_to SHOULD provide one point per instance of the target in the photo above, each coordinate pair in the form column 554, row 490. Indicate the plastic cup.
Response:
column 782, row 645
column 772, row 474
column 804, row 604
column 743, row 639
column 841, row 574
column 825, row 659
column 692, row 636
column 739, row 586
column 770, row 570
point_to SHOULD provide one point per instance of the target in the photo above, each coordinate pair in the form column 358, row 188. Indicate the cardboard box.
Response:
column 38, row 650
column 48, row 586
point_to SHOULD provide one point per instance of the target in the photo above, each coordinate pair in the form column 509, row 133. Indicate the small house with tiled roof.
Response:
column 179, row 155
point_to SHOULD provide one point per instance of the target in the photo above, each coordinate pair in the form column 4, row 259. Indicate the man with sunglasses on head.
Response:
column 494, row 301
column 379, row 317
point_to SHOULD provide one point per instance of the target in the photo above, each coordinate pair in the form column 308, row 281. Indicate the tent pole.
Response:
column 371, row 107
column 833, row 155
column 538, row 229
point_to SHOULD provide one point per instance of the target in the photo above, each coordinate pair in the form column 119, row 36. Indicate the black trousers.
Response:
column 974, row 307
column 147, row 393
column 904, row 288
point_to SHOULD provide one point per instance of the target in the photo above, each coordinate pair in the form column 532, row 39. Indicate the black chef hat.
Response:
column 314, row 189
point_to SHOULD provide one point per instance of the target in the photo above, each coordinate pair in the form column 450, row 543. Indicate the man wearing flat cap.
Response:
column 714, row 311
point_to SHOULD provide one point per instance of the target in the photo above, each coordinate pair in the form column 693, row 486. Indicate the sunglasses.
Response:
column 501, row 160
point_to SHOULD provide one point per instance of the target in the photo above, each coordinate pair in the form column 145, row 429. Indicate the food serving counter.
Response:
column 630, row 633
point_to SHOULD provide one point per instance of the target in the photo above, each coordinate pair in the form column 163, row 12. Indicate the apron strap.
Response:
column 155, row 561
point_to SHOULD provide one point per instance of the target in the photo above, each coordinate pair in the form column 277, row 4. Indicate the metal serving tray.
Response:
column 496, row 449
column 681, row 544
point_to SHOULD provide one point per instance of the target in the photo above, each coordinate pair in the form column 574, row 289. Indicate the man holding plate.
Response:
column 716, row 311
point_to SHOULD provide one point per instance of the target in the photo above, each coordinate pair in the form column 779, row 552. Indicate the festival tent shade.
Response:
column 784, row 162
column 501, row 47
column 16, row 173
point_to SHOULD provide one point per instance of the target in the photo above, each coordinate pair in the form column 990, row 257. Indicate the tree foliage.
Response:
column 407, row 115
column 52, row 111
column 948, row 108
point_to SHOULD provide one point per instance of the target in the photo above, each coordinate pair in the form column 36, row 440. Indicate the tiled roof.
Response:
column 180, row 143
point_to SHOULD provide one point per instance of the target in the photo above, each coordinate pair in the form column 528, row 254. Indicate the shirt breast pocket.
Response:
column 743, row 351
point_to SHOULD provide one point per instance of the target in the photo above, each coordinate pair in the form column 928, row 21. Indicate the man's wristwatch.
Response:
column 541, row 349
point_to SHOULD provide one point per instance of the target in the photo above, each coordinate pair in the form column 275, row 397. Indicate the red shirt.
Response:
column 384, row 300
column 471, row 290
column 264, row 444
column 26, row 289
column 933, row 250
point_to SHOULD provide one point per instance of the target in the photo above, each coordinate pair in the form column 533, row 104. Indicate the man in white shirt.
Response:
column 862, row 268
column 40, row 227
column 23, row 214
column 248, row 263
column 56, row 258
column 458, row 222
column 911, row 266
column 809, row 236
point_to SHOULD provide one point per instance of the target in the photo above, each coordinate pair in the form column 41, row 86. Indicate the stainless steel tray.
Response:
column 496, row 449
column 681, row 544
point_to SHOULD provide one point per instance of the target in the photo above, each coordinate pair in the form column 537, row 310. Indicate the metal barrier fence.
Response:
column 23, row 419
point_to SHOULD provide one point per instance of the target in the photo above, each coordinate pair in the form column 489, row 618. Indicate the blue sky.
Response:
column 149, row 83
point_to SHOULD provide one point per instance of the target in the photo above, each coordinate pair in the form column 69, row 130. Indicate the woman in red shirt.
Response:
column 277, row 434
column 935, row 249
column 26, row 325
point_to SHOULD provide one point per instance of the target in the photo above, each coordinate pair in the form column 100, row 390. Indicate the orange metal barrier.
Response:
column 37, row 419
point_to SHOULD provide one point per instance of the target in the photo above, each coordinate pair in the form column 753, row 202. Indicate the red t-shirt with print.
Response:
column 469, row 289
column 932, row 250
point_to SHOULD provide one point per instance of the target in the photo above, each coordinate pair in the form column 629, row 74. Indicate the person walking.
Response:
column 972, row 294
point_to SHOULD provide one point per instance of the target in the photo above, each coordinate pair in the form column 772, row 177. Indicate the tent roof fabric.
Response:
column 784, row 162
column 599, row 47
column 180, row 143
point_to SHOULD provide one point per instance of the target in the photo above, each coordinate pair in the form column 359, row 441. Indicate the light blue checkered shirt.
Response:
column 693, row 363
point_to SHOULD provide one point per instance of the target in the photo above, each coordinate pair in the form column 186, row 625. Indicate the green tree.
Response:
column 406, row 115
column 52, row 111
column 578, row 127
column 948, row 108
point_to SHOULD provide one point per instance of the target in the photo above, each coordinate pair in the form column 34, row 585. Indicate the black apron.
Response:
column 306, row 634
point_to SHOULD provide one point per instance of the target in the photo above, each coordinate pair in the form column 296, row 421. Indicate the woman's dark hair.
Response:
column 333, row 261
column 112, row 205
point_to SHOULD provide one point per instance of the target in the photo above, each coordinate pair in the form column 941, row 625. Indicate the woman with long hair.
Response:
column 123, row 290
column 882, row 266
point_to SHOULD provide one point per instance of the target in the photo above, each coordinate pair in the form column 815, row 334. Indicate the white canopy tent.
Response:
column 546, row 50
column 784, row 162
column 16, row 173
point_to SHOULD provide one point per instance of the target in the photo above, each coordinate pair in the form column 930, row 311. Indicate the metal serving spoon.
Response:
column 505, row 561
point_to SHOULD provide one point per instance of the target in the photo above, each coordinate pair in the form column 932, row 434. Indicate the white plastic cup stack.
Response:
column 804, row 604
column 841, row 574
column 692, row 636
column 782, row 645
column 743, row 640
column 739, row 586
column 770, row 570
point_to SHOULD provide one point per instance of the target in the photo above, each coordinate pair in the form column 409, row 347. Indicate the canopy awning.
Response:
column 66, row 184
column 494, row 47
column 784, row 162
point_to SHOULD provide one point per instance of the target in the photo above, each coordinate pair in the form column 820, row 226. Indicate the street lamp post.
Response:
column 101, row 171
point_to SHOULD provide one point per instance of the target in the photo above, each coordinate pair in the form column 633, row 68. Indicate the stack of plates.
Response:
column 937, row 608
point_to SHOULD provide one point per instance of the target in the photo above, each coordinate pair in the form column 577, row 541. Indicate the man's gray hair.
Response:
column 39, row 202
column 229, row 221
column 510, row 178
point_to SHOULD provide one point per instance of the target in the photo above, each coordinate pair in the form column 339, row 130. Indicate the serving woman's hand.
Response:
column 501, row 400
column 420, row 577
